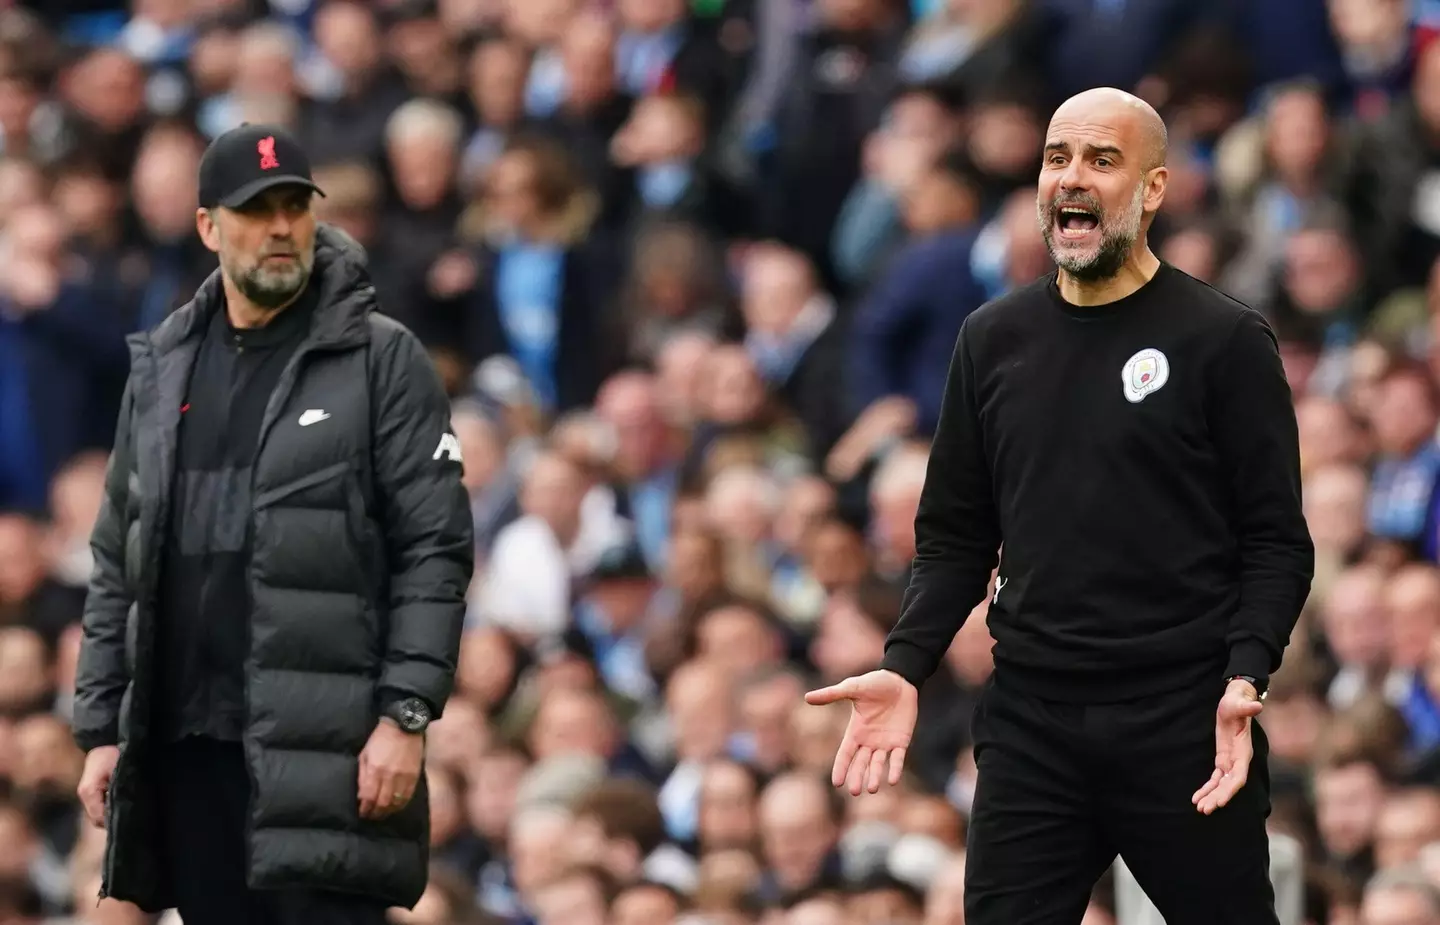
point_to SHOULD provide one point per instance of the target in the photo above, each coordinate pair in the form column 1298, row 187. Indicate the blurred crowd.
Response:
column 692, row 271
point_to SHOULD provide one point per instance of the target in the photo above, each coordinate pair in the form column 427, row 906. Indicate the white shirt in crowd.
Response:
column 527, row 583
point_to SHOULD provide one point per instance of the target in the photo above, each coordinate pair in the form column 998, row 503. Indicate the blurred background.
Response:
column 692, row 271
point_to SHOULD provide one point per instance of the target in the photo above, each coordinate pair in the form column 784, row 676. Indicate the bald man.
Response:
column 1127, row 433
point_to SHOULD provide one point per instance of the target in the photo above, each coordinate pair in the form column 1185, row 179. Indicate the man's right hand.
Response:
column 94, row 786
column 882, row 720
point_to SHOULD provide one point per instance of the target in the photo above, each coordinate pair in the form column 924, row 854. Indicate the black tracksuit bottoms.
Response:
column 205, row 795
column 1064, row 788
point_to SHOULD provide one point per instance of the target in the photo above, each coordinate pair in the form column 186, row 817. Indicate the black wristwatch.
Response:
column 411, row 714
column 1260, row 689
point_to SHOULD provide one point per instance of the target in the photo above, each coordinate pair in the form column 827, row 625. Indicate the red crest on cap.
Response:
column 266, row 147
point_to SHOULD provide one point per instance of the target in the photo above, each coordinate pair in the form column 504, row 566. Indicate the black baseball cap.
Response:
column 246, row 161
column 621, row 562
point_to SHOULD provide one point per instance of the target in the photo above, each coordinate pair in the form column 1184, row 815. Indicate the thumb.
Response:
column 831, row 694
column 1249, row 708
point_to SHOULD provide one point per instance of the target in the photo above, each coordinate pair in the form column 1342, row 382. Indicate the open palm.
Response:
column 882, row 720
column 1233, row 747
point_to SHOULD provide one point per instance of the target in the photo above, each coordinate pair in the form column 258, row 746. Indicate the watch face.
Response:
column 414, row 715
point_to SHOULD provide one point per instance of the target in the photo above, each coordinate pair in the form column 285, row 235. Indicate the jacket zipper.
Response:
column 278, row 398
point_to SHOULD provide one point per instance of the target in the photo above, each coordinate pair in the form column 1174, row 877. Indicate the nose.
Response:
column 280, row 223
column 1075, row 176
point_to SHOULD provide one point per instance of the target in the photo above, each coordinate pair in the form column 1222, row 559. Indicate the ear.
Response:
column 209, row 231
column 1156, row 182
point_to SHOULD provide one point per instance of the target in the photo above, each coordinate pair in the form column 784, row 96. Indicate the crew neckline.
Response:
column 1107, row 309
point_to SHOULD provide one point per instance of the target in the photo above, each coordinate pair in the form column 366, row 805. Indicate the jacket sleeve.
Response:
column 957, row 532
column 1253, row 419
column 101, row 674
column 425, row 516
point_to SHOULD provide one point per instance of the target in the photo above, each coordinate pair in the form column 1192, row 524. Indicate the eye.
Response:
column 1102, row 162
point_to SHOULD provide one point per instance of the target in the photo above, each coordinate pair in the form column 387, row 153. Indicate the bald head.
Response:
column 1130, row 116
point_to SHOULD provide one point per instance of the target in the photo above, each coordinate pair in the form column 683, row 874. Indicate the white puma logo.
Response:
column 999, row 583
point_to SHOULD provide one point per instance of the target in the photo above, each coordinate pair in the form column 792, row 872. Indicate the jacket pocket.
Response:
column 368, row 555
column 318, row 477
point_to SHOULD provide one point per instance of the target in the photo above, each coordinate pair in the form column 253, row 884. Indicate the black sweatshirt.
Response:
column 1140, row 463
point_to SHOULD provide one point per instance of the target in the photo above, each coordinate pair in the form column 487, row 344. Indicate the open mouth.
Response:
column 1076, row 222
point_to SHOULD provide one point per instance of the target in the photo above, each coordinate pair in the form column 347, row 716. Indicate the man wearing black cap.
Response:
column 281, row 564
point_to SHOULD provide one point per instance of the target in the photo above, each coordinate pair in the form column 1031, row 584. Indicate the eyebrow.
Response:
column 1110, row 151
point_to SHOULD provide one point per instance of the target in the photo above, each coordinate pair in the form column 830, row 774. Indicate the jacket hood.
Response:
column 347, row 295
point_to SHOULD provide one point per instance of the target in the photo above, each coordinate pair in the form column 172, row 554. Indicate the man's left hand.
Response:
column 1233, row 748
column 389, row 770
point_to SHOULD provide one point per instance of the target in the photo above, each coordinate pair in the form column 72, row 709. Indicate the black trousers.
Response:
column 205, row 791
column 1064, row 788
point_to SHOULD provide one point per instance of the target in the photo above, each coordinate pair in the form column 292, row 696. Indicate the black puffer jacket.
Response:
column 362, row 552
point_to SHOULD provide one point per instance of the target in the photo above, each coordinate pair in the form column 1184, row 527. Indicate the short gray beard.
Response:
column 271, row 288
column 1115, row 244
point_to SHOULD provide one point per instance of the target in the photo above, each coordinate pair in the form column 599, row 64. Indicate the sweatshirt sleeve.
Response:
column 957, row 532
column 1253, row 419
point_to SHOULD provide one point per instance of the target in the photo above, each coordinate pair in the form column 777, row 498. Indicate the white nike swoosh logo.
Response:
column 307, row 419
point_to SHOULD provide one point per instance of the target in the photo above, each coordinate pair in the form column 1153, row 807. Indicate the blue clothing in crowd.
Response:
column 904, row 333
column 62, row 369
column 528, row 287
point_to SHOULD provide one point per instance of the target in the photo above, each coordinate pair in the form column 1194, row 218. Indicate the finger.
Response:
column 1233, row 782
column 1230, row 785
column 1208, row 787
column 366, row 789
column 855, row 780
column 385, row 788
column 843, row 758
column 832, row 694
column 897, row 765
column 1248, row 708
column 405, row 787
column 876, row 774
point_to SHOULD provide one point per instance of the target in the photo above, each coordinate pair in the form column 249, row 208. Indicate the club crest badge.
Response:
column 1145, row 372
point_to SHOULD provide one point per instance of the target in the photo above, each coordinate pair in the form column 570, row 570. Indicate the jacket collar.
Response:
column 346, row 299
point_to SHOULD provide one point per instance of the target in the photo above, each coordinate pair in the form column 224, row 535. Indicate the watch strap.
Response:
column 1261, row 688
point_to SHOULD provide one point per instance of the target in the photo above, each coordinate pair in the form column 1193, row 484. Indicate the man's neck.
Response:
column 566, row 534
column 1139, row 268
